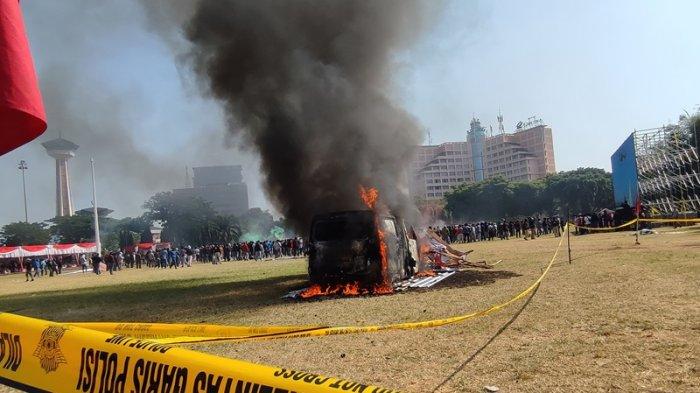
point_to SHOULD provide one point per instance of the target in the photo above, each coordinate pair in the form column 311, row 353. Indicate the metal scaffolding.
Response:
column 668, row 169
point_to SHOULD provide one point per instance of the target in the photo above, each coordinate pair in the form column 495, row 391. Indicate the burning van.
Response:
column 360, row 247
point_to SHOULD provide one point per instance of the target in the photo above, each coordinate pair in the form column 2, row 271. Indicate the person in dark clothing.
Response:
column 96, row 260
column 111, row 262
column 27, row 264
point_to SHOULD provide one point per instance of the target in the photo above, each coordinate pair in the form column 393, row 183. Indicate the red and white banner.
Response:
column 47, row 249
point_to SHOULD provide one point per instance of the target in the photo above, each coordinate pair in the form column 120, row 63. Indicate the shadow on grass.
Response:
column 487, row 343
column 195, row 300
column 470, row 278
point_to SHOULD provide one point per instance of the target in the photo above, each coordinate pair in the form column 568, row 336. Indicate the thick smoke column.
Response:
column 306, row 85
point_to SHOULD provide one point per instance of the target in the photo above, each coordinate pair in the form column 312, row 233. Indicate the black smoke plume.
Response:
column 307, row 85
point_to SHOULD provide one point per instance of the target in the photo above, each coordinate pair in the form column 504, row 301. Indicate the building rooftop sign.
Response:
column 531, row 122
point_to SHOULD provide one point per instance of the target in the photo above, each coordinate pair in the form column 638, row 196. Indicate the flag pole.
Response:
column 638, row 213
column 98, row 245
column 568, row 232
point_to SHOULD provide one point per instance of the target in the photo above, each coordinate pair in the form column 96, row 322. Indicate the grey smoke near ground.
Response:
column 307, row 86
column 100, row 124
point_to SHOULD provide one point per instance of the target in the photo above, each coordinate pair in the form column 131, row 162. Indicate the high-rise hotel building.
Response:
column 524, row 155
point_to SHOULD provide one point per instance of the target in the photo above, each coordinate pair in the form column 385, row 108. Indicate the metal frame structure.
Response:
column 668, row 169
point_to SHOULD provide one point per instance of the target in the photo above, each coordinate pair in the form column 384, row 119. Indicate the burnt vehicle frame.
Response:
column 345, row 247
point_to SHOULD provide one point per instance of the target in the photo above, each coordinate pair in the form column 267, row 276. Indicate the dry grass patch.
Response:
column 620, row 318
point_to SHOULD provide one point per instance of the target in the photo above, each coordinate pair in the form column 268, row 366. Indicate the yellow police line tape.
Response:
column 628, row 223
column 43, row 356
column 165, row 333
column 634, row 221
column 695, row 220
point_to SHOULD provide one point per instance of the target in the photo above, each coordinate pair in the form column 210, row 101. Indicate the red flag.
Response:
column 22, row 116
column 638, row 206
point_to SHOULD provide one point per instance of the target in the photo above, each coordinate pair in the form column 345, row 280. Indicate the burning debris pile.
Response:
column 370, row 252
column 435, row 254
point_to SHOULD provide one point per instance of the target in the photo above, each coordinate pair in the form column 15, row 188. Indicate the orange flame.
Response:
column 424, row 248
column 346, row 289
column 369, row 196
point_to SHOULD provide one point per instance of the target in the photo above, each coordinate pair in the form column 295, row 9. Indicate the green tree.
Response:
column 258, row 224
column 128, row 238
column 23, row 233
column 185, row 219
column 139, row 226
column 110, row 241
column 73, row 229
column 221, row 229
column 582, row 190
column 80, row 227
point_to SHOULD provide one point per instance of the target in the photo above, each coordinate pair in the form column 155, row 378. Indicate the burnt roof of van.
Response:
column 344, row 213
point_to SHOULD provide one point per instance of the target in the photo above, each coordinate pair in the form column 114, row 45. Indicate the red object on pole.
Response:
column 638, row 206
column 22, row 115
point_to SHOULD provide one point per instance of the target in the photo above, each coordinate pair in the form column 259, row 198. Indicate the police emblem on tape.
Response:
column 49, row 351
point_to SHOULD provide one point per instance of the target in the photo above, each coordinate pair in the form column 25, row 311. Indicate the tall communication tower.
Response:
column 62, row 150
column 501, row 129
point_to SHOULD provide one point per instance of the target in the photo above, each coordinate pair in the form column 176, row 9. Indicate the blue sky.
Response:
column 593, row 71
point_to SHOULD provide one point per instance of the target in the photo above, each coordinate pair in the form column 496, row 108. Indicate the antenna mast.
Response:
column 501, row 129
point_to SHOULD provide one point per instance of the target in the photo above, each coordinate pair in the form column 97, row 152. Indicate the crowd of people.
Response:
column 527, row 228
column 36, row 266
column 603, row 219
column 179, row 257
column 267, row 249
column 46, row 265
column 170, row 257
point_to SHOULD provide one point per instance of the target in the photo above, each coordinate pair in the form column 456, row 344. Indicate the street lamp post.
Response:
column 98, row 244
column 23, row 167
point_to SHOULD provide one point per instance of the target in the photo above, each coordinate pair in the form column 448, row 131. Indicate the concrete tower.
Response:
column 62, row 150
column 476, row 136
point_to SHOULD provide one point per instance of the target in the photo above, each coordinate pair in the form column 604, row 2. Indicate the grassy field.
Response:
column 621, row 317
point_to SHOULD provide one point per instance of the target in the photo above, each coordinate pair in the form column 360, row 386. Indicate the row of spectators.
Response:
column 45, row 265
column 164, row 258
column 267, row 249
column 527, row 228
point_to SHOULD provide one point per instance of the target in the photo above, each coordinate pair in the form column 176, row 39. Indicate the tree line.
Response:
column 184, row 221
column 193, row 221
column 583, row 190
